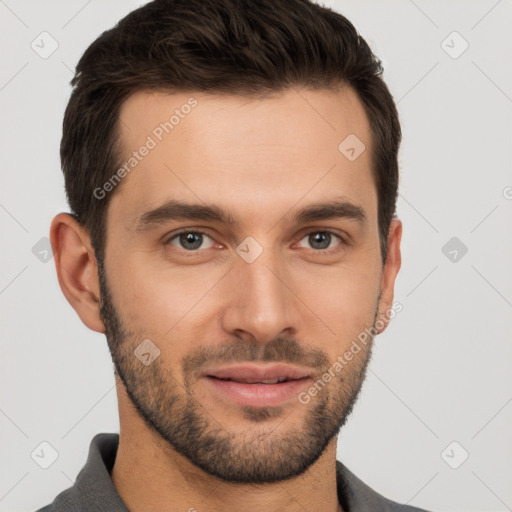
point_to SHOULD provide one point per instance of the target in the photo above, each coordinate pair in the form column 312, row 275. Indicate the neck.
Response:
column 150, row 476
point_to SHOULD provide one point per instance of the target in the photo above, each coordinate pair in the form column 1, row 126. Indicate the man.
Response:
column 232, row 171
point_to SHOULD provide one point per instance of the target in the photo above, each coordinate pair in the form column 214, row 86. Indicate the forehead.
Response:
column 258, row 157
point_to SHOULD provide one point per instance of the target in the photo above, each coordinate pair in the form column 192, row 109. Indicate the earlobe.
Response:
column 77, row 269
column 389, row 273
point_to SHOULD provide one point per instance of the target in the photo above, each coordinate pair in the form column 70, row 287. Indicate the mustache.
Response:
column 280, row 349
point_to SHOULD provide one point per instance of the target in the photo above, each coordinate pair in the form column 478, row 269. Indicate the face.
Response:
column 242, row 247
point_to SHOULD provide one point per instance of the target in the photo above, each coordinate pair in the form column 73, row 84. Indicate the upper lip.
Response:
column 253, row 374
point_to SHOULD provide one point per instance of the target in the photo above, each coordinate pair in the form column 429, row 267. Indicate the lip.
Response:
column 248, row 372
column 252, row 392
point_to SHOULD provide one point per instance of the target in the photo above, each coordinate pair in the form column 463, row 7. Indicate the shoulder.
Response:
column 67, row 501
column 93, row 488
column 355, row 495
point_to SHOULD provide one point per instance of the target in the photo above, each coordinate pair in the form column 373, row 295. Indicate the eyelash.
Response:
column 330, row 250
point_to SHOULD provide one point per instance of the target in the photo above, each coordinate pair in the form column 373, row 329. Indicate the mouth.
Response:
column 251, row 381
column 252, row 374
column 249, row 385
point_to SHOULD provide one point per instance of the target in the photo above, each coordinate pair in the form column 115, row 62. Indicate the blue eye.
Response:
column 194, row 241
column 321, row 239
column 190, row 240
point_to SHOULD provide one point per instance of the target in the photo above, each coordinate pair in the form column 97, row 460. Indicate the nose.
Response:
column 262, row 303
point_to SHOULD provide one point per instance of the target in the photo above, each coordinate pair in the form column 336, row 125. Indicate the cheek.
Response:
column 345, row 300
column 155, row 301
column 166, row 303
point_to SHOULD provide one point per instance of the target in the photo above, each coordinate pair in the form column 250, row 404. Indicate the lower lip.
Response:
column 258, row 395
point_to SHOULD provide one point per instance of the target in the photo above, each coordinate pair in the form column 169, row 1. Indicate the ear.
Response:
column 77, row 269
column 390, row 271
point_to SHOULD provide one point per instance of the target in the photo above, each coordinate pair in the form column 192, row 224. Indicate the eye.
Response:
column 193, row 241
column 322, row 240
column 190, row 240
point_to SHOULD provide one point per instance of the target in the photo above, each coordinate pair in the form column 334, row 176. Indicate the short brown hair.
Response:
column 243, row 47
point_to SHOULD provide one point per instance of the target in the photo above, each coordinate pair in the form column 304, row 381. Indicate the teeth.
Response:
column 270, row 381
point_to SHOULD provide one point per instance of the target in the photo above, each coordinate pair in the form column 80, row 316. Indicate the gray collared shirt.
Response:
column 93, row 490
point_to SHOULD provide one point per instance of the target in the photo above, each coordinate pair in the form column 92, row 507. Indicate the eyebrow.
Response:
column 178, row 210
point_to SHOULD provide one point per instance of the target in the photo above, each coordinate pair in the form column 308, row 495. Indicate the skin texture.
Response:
column 182, row 446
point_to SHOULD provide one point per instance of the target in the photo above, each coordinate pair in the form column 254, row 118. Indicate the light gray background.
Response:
column 440, row 373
